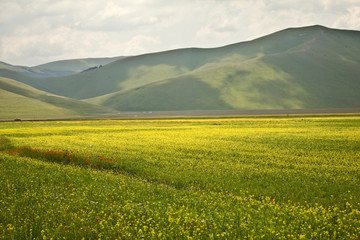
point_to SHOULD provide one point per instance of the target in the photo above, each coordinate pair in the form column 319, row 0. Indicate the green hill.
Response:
column 72, row 66
column 312, row 67
column 18, row 100
column 59, row 68
column 309, row 67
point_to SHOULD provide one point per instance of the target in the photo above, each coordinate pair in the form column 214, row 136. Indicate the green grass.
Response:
column 283, row 178
column 169, row 95
column 14, row 106
column 19, row 100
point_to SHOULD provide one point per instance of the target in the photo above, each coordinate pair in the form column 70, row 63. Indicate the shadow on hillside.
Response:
column 183, row 93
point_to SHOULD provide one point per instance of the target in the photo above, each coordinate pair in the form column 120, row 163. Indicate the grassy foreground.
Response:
column 272, row 178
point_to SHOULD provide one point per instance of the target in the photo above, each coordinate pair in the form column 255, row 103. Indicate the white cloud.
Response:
column 351, row 19
column 34, row 32
column 138, row 44
column 65, row 43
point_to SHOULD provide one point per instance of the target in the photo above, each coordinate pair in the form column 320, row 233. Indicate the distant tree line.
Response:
column 92, row 68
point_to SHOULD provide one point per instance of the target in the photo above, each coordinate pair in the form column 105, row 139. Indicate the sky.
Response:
column 33, row 32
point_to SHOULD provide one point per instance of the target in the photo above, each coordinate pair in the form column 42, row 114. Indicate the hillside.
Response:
column 59, row 68
column 72, row 66
column 297, row 68
column 311, row 67
column 18, row 100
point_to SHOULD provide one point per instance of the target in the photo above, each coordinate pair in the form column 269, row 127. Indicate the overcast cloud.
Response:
column 39, row 31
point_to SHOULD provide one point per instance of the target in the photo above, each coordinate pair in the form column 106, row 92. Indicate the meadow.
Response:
column 229, row 178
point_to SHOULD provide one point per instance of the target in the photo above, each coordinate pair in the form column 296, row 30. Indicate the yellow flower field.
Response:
column 230, row 178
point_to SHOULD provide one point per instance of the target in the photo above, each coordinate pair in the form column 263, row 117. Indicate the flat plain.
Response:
column 225, row 178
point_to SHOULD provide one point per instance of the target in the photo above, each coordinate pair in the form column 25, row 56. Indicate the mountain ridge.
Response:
column 295, row 68
column 60, row 67
column 299, row 90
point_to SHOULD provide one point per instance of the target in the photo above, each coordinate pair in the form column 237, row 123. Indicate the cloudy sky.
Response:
column 39, row 31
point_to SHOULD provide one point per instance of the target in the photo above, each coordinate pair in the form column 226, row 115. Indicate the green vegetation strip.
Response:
column 277, row 178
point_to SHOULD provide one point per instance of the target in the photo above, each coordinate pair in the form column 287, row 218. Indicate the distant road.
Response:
column 229, row 113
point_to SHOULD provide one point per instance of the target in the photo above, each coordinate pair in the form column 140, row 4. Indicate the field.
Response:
column 230, row 178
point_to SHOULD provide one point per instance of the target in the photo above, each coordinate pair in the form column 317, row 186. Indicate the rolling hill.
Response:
column 70, row 67
column 296, row 68
column 311, row 67
column 59, row 68
column 18, row 100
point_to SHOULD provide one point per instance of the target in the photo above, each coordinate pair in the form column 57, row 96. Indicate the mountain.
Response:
column 59, row 68
column 296, row 68
column 72, row 66
column 313, row 67
column 18, row 100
